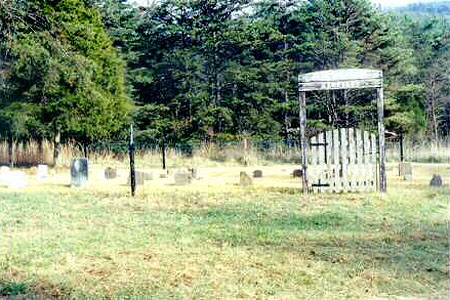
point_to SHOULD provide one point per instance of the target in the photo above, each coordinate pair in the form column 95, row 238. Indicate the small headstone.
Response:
column 182, row 178
column 147, row 176
column 17, row 180
column 245, row 180
column 110, row 173
column 436, row 181
column 298, row 173
column 42, row 172
column 163, row 175
column 79, row 172
column 257, row 174
column 405, row 170
column 193, row 172
column 141, row 177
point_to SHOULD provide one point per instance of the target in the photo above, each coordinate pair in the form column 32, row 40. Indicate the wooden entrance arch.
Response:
column 339, row 80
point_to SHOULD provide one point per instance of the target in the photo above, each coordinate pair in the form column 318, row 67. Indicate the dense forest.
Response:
column 197, row 70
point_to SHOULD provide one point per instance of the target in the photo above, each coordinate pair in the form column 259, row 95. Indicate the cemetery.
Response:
column 224, row 150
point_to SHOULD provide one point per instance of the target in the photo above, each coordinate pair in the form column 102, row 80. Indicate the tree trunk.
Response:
column 11, row 151
column 56, row 146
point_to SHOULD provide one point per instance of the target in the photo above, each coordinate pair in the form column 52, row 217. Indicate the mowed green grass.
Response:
column 226, row 243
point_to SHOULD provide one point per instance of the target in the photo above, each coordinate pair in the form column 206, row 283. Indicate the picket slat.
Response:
column 336, row 148
column 373, row 143
column 359, row 160
column 366, row 158
column 352, row 156
column 344, row 159
column 328, row 154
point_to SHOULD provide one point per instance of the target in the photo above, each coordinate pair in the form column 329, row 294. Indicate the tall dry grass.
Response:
column 206, row 154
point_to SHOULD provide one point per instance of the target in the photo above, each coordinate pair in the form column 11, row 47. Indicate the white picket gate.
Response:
column 343, row 160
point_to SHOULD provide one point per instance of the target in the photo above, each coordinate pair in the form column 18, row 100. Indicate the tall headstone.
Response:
column 79, row 172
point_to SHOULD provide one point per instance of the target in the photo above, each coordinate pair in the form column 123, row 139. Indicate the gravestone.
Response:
column 244, row 179
column 17, row 180
column 182, row 178
column 257, row 174
column 163, row 175
column 42, row 172
column 141, row 177
column 4, row 170
column 147, row 176
column 298, row 173
column 193, row 172
column 405, row 170
column 436, row 181
column 79, row 172
column 110, row 173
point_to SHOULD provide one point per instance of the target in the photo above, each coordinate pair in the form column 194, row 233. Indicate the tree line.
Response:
column 195, row 70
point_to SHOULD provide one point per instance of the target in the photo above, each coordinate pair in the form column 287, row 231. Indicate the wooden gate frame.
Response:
column 339, row 80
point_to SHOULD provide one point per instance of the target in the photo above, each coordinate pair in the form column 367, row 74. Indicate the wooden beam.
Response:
column 381, row 143
column 341, row 75
column 303, row 143
column 341, row 79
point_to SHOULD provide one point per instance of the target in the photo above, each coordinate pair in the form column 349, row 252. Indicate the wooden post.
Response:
column 381, row 144
column 303, row 144
column 56, row 145
column 132, row 169
column 11, row 150
column 402, row 147
column 164, row 150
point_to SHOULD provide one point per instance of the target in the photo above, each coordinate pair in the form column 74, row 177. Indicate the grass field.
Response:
column 217, row 240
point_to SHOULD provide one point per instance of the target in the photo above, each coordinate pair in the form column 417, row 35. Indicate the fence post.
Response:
column 132, row 169
column 381, row 142
column 303, row 143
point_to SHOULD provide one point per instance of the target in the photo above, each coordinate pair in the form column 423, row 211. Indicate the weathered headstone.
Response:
column 147, row 176
column 17, row 180
column 79, row 172
column 257, row 174
column 436, row 181
column 163, row 175
column 405, row 170
column 141, row 177
column 193, row 172
column 182, row 178
column 245, row 180
column 110, row 173
column 298, row 173
column 42, row 172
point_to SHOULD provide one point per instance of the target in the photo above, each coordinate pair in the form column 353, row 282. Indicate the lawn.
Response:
column 222, row 241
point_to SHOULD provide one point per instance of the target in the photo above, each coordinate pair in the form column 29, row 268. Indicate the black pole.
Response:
column 132, row 170
column 402, row 147
column 164, row 150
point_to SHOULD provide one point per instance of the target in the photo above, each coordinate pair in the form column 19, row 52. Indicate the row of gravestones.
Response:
column 405, row 171
column 19, row 179
column 79, row 174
